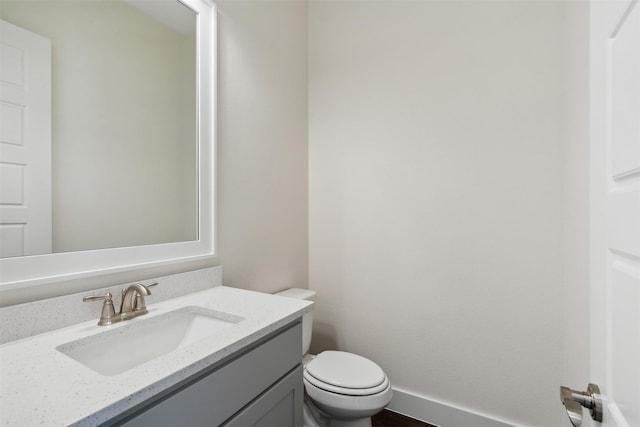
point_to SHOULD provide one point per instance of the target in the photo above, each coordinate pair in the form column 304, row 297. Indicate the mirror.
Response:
column 121, row 92
column 124, row 176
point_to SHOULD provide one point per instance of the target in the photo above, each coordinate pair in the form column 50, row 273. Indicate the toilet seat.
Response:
column 345, row 373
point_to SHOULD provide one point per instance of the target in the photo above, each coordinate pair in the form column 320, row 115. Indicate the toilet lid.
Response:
column 345, row 371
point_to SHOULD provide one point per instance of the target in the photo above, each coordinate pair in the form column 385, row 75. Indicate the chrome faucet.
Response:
column 131, row 306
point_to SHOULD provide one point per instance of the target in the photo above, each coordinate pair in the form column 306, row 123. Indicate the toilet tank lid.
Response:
column 305, row 294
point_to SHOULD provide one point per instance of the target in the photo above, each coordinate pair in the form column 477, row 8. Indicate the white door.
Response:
column 25, row 142
column 615, row 209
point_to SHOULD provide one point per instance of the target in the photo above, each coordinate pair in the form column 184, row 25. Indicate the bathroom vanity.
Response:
column 246, row 372
column 258, row 386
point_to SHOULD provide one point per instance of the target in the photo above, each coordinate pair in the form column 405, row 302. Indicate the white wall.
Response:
column 437, row 185
column 262, row 144
column 576, row 200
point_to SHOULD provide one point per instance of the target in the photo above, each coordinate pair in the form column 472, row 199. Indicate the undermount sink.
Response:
column 117, row 350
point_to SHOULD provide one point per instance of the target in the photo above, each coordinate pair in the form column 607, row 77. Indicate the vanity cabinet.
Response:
column 258, row 386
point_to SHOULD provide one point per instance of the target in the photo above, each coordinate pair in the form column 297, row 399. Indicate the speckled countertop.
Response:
column 41, row 386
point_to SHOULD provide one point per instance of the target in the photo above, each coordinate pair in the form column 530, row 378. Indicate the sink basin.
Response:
column 120, row 349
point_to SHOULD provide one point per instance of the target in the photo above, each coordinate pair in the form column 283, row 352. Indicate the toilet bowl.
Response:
column 341, row 389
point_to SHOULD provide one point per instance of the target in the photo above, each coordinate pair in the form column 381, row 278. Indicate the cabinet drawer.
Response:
column 217, row 395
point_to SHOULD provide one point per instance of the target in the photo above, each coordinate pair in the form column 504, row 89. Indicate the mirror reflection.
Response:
column 98, row 125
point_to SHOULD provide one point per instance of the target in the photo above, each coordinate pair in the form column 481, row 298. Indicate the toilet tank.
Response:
column 307, row 319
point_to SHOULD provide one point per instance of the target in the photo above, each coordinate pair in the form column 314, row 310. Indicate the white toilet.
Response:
column 341, row 389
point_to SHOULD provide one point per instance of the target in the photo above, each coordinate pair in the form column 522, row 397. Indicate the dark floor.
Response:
column 391, row 419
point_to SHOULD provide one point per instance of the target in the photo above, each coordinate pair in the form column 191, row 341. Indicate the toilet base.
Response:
column 313, row 417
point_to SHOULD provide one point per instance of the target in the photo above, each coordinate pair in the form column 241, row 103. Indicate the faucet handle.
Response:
column 150, row 285
column 108, row 311
column 106, row 297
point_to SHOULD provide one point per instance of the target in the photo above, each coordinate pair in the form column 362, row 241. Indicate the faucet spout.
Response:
column 129, row 296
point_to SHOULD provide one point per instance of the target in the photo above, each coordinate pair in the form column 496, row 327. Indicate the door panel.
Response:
column 615, row 208
column 625, row 354
column 623, row 227
column 25, row 142
column 624, row 69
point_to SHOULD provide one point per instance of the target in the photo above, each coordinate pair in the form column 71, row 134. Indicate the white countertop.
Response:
column 41, row 386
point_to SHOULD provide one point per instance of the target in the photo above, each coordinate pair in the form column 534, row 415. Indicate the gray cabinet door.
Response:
column 216, row 396
column 280, row 406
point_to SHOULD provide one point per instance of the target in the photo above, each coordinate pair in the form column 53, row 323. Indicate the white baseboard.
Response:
column 438, row 414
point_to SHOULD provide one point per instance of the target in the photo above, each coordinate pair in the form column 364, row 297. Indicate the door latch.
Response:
column 573, row 402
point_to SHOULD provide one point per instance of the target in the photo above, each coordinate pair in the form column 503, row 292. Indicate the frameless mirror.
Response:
column 105, row 135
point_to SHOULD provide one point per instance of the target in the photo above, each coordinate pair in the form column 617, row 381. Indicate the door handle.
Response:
column 573, row 402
